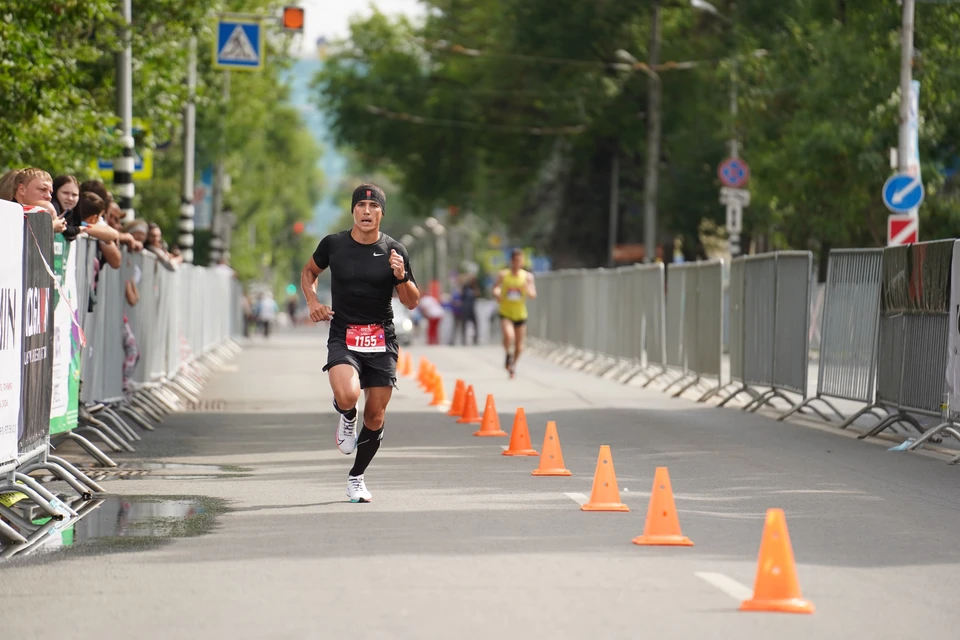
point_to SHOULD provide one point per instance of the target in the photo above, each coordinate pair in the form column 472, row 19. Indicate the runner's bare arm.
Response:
column 407, row 291
column 531, row 286
column 496, row 287
column 308, row 284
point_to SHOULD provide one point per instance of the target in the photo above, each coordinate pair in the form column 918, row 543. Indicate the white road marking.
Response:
column 726, row 584
column 579, row 498
column 504, row 447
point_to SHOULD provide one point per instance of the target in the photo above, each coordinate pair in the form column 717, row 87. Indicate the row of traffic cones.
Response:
column 776, row 587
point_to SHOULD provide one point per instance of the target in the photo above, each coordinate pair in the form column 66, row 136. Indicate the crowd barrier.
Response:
column 675, row 340
column 67, row 326
column 886, row 322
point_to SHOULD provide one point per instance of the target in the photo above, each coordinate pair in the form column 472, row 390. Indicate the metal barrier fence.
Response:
column 849, row 332
column 694, row 325
column 67, row 326
column 769, row 318
column 914, row 352
column 882, row 324
column 675, row 338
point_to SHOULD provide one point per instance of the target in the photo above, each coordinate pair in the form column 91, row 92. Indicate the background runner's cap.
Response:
column 369, row 192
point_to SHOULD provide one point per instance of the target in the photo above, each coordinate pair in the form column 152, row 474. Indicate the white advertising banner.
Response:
column 953, row 342
column 62, row 329
column 11, row 327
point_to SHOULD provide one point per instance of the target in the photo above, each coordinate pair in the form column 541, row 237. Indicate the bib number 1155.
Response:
column 366, row 338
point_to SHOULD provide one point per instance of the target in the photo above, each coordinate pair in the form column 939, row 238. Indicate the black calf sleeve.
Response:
column 350, row 415
column 368, row 442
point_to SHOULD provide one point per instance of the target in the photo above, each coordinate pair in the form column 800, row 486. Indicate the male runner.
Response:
column 365, row 268
column 512, row 289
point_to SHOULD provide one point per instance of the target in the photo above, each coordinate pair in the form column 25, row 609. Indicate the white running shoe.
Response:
column 357, row 490
column 347, row 435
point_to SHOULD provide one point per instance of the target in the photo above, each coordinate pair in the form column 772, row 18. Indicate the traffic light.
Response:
column 293, row 19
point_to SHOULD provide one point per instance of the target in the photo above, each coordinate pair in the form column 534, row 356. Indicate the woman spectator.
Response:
column 66, row 194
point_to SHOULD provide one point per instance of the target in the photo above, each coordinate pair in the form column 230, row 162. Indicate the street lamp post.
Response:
column 734, row 208
column 651, row 177
column 906, row 78
column 706, row 7
column 654, row 104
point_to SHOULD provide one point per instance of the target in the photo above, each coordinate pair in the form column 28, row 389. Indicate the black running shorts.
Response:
column 375, row 369
column 516, row 323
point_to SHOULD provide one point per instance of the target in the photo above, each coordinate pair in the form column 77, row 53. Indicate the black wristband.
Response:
column 406, row 278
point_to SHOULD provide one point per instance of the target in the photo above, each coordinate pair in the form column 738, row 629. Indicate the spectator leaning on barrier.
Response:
column 32, row 187
column 66, row 194
column 107, row 250
column 154, row 244
column 114, row 218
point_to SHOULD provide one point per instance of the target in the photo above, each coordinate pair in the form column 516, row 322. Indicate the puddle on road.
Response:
column 117, row 523
column 158, row 471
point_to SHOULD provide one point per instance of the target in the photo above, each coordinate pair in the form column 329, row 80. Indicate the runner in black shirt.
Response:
column 365, row 268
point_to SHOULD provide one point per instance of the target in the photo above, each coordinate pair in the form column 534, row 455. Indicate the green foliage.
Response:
column 453, row 104
column 57, row 97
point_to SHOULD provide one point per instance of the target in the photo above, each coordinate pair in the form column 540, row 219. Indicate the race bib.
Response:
column 514, row 295
column 366, row 338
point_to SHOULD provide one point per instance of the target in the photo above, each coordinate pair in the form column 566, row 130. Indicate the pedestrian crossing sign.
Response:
column 239, row 45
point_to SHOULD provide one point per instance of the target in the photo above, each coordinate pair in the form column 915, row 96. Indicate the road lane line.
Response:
column 579, row 498
column 726, row 584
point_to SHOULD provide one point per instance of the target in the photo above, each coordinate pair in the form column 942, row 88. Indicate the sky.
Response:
column 330, row 18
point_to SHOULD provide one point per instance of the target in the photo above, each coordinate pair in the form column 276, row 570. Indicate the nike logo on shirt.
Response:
column 378, row 254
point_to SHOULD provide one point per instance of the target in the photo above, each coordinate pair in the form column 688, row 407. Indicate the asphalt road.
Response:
column 463, row 542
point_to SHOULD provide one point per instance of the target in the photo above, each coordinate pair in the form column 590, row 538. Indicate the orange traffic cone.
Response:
column 439, row 395
column 663, row 524
column 606, row 494
column 776, row 587
column 406, row 364
column 422, row 370
column 456, row 407
column 431, row 380
column 551, row 460
column 520, row 437
column 490, row 426
column 427, row 377
column 470, row 415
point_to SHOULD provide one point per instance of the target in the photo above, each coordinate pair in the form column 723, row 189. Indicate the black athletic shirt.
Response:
column 361, row 280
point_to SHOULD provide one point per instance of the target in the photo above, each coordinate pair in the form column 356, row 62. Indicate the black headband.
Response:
column 368, row 192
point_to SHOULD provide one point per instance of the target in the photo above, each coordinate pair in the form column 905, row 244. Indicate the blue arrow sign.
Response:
column 239, row 45
column 902, row 193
